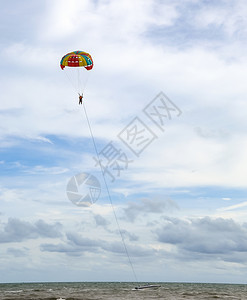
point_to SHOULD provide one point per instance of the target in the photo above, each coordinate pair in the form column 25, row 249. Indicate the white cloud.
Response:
column 45, row 170
column 229, row 17
column 236, row 206
column 94, row 20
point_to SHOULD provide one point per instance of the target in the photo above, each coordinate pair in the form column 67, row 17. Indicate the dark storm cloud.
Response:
column 133, row 250
column 89, row 244
column 76, row 245
column 205, row 235
column 101, row 221
column 130, row 236
column 134, row 209
column 68, row 249
column 48, row 230
column 16, row 252
column 16, row 230
column 80, row 241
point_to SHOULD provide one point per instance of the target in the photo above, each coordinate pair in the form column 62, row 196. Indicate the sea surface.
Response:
column 120, row 290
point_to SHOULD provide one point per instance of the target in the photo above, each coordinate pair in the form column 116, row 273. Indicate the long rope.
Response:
column 108, row 192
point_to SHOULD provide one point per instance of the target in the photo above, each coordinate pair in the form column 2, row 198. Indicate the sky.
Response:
column 164, row 115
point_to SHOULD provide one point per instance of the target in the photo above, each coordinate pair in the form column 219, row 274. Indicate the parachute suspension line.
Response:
column 79, row 82
column 82, row 78
column 109, row 195
column 71, row 81
column 86, row 80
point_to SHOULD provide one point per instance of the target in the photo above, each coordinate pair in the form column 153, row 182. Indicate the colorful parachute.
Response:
column 78, row 77
column 77, row 59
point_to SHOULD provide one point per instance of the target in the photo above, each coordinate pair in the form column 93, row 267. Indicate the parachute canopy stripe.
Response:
column 77, row 59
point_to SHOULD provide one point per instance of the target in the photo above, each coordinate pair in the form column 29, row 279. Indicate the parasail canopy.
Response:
column 77, row 59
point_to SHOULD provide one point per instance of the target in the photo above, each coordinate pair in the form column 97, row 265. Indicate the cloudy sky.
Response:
column 166, row 103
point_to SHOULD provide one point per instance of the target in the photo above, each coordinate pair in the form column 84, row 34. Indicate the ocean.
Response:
column 120, row 290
